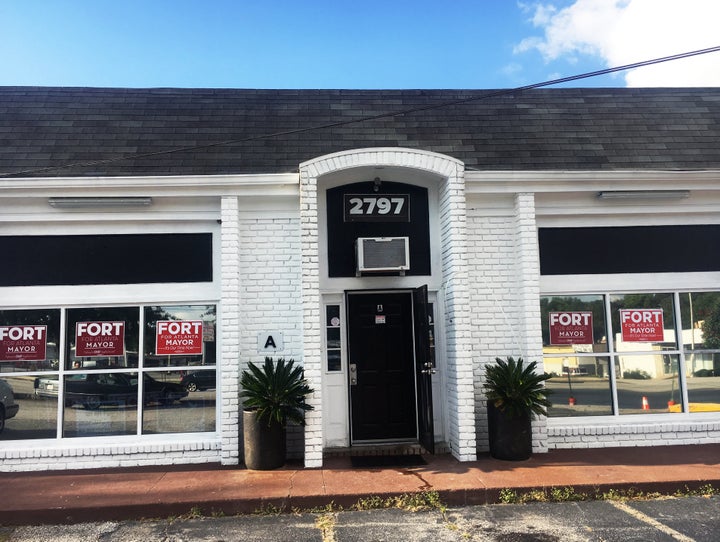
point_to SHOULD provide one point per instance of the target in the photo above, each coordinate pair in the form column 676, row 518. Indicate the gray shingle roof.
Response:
column 571, row 129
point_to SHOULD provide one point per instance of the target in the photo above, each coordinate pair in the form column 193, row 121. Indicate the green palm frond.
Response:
column 277, row 390
column 517, row 389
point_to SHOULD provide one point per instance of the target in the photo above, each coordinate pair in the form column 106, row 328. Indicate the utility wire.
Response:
column 491, row 94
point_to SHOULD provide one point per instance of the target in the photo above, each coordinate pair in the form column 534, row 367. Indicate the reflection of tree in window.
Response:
column 711, row 328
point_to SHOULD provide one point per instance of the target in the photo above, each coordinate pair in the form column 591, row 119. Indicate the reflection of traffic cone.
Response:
column 646, row 405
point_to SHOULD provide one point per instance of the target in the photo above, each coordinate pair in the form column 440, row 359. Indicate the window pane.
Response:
column 334, row 361
column 100, row 404
column 583, row 390
column 332, row 313
column 96, row 340
column 170, row 408
column 701, row 320
column 648, row 383
column 29, row 340
column 643, row 322
column 573, row 324
column 175, row 334
column 703, row 381
column 31, row 417
column 333, row 337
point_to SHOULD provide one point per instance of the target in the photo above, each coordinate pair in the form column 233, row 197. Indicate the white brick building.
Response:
column 524, row 214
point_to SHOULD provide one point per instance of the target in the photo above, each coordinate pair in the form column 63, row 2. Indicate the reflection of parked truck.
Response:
column 8, row 407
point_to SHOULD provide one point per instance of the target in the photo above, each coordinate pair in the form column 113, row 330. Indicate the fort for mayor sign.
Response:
column 99, row 339
column 178, row 337
column 642, row 325
column 572, row 327
column 23, row 343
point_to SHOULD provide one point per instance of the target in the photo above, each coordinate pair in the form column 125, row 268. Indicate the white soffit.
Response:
column 487, row 182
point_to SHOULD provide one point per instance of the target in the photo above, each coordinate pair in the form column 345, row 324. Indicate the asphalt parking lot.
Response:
column 673, row 519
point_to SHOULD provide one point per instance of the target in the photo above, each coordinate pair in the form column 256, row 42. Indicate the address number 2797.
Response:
column 360, row 207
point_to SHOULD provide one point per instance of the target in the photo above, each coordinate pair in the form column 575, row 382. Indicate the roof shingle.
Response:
column 273, row 131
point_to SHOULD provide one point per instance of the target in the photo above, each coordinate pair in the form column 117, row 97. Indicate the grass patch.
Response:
column 569, row 494
column 411, row 502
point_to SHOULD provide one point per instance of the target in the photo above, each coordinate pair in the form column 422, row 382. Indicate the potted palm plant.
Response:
column 273, row 395
column 515, row 392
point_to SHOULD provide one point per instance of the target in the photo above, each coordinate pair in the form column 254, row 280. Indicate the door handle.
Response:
column 353, row 374
column 430, row 371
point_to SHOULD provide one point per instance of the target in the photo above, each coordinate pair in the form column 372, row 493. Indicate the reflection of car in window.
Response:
column 198, row 381
column 95, row 390
column 575, row 370
column 8, row 406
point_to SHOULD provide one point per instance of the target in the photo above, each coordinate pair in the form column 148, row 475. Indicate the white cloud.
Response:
column 626, row 31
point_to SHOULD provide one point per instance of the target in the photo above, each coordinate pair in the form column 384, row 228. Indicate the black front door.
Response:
column 382, row 367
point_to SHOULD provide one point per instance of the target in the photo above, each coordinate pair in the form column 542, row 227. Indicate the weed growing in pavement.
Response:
column 569, row 494
column 217, row 513
column 269, row 510
column 329, row 508
column 566, row 494
column 326, row 523
column 706, row 490
column 194, row 513
column 412, row 502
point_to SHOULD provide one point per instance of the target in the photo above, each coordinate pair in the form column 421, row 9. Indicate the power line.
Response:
column 491, row 94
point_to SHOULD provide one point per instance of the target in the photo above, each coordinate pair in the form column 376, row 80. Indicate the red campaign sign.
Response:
column 23, row 343
column 178, row 337
column 642, row 325
column 99, row 339
column 575, row 327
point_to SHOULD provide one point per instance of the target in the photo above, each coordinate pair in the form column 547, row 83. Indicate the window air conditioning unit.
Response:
column 383, row 254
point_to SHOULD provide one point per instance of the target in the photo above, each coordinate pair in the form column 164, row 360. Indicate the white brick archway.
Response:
column 460, row 383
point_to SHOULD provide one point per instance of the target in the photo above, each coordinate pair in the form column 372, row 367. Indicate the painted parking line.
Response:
column 651, row 521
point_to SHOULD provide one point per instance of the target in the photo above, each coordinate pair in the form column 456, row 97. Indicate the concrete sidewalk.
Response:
column 132, row 493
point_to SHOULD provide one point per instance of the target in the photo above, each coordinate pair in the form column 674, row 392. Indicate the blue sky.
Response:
column 349, row 44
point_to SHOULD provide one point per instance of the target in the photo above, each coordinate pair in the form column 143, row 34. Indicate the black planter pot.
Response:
column 264, row 444
column 510, row 438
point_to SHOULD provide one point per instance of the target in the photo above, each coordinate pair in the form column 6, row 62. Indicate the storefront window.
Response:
column 99, row 404
column 575, row 347
column 701, row 341
column 648, row 384
column 33, row 416
column 641, row 362
column 102, row 338
column 179, row 335
column 646, row 366
column 29, row 340
column 101, row 372
column 171, row 408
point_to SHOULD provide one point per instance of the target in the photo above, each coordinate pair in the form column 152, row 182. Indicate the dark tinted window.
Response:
column 646, row 249
column 45, row 260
